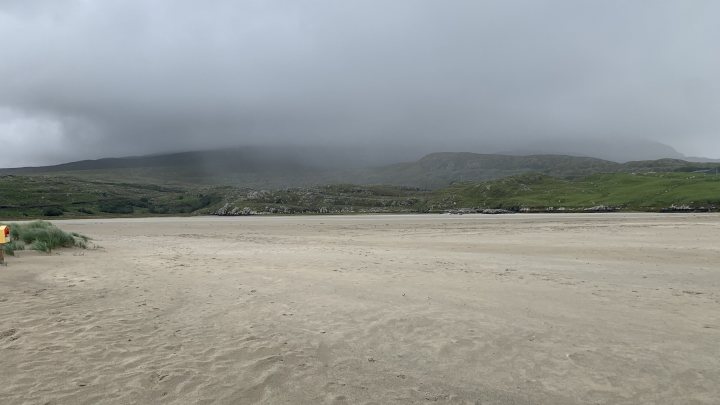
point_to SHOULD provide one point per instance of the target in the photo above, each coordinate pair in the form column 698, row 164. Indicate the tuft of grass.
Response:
column 81, row 243
column 40, row 246
column 12, row 246
column 79, row 236
column 43, row 236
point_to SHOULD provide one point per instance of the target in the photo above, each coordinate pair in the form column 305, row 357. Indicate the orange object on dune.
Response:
column 4, row 238
column 4, row 234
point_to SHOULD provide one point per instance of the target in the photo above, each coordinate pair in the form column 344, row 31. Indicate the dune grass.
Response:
column 43, row 237
column 12, row 246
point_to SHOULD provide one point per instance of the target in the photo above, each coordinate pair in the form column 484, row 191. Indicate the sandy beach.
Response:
column 472, row 309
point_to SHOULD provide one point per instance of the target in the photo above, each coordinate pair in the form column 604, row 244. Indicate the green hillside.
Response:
column 441, row 169
column 438, row 170
column 648, row 191
column 262, row 169
column 45, row 196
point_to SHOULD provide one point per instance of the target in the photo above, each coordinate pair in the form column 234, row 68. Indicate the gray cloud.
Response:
column 85, row 79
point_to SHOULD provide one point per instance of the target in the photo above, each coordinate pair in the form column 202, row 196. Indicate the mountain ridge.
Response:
column 268, row 169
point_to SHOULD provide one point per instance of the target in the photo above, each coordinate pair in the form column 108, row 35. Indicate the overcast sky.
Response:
column 94, row 78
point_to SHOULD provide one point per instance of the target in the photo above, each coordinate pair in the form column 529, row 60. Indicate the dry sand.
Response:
column 521, row 309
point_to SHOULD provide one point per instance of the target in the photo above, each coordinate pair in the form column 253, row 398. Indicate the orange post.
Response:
column 4, row 238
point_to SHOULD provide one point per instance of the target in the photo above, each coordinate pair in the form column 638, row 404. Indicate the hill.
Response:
column 51, row 196
column 622, row 191
column 47, row 196
column 278, row 168
column 238, row 166
column 441, row 169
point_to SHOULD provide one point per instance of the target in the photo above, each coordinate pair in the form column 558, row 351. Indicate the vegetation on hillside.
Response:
column 338, row 198
column 44, row 196
column 240, row 168
column 41, row 196
column 528, row 192
column 639, row 192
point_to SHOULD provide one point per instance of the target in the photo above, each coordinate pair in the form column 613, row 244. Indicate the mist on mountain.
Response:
column 388, row 81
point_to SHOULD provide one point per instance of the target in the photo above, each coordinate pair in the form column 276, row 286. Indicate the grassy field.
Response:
column 641, row 192
column 44, row 196
column 50, row 196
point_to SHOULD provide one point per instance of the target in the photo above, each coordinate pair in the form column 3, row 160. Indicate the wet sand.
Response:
column 519, row 309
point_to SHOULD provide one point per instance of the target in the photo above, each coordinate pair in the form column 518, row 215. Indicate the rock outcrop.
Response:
column 231, row 210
